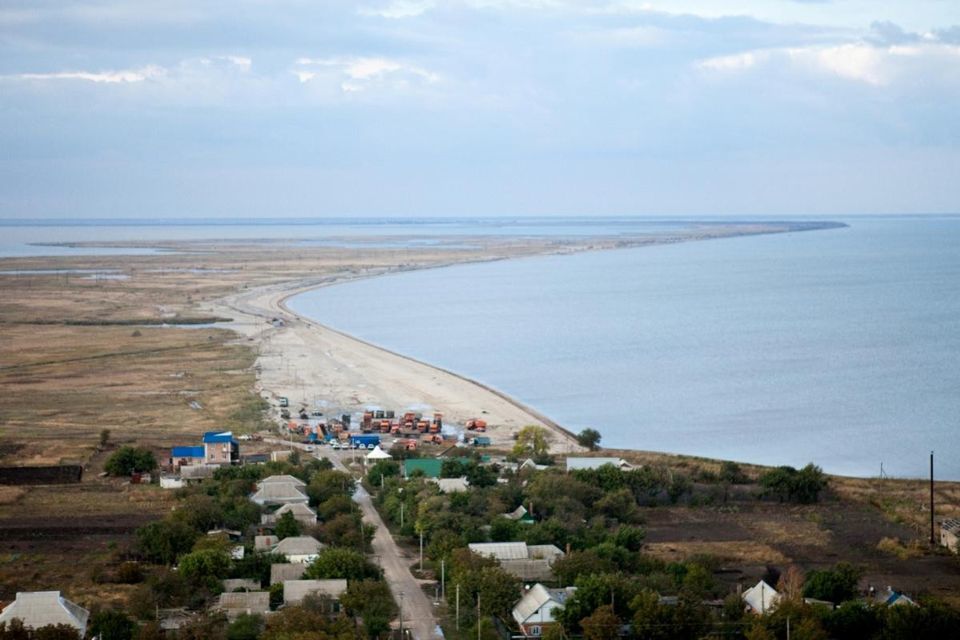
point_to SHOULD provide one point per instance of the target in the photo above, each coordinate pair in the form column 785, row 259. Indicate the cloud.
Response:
column 125, row 76
column 399, row 9
column 358, row 73
column 861, row 62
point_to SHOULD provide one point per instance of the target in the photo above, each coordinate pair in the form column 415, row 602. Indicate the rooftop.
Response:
column 186, row 452
column 41, row 608
column 212, row 437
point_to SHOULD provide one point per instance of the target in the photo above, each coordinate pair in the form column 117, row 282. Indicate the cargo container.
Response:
column 364, row 441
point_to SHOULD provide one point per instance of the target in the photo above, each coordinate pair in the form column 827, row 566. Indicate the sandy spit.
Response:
column 319, row 367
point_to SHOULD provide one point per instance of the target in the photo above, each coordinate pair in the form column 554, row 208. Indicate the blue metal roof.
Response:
column 218, row 436
column 187, row 452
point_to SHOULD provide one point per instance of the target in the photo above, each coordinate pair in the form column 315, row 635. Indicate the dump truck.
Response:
column 476, row 424
column 367, row 424
column 437, row 425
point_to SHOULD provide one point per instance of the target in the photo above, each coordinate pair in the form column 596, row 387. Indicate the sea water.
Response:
column 839, row 347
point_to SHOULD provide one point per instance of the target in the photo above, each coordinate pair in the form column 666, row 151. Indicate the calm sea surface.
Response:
column 840, row 347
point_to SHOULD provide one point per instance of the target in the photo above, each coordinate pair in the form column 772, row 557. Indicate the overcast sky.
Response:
column 478, row 107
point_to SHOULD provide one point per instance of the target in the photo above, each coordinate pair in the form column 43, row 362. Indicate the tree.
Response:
column 298, row 623
column 56, row 632
column 163, row 541
column 788, row 484
column 382, row 470
column 205, row 568
column 531, row 441
column 603, row 624
column 112, row 625
column 341, row 563
column 589, row 438
column 246, row 627
column 327, row 484
column 570, row 567
column 370, row 600
column 287, row 526
column 204, row 627
column 833, row 585
column 128, row 460
column 104, row 438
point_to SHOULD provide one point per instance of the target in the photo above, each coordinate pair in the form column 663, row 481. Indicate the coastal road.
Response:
column 418, row 615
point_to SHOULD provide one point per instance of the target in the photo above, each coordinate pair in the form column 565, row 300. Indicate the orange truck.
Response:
column 476, row 424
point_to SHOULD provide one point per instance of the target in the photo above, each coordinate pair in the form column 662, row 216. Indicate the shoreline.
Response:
column 393, row 380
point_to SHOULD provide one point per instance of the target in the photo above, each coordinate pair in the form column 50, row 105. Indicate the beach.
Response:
column 305, row 361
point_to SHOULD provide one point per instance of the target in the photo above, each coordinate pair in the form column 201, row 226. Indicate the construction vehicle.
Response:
column 435, row 438
column 384, row 426
column 423, row 425
column 476, row 424
column 284, row 402
column 437, row 425
column 367, row 424
column 284, row 414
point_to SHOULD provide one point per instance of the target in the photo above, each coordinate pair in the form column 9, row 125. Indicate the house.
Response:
column 44, row 608
column 241, row 602
column 265, row 543
column 530, row 563
column 282, row 479
column 300, row 549
column 280, row 456
column 180, row 456
column 301, row 513
column 574, row 464
column 219, row 447
column 761, row 598
column 536, row 609
column 279, row 493
column 452, row 485
column 950, row 534
column 197, row 472
column 173, row 619
column 892, row 598
column 294, row 591
column 240, row 584
column 429, row 467
column 255, row 458
column 519, row 514
column 283, row 571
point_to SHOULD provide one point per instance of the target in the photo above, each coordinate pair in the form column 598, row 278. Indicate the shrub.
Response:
column 128, row 460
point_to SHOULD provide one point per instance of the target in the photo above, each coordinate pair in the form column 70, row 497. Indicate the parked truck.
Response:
column 364, row 441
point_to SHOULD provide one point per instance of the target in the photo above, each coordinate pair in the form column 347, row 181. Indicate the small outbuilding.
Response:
column 300, row 549
column 950, row 534
column 761, row 598
column 239, row 603
column 294, row 591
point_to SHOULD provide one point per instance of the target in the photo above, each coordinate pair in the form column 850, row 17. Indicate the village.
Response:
column 382, row 523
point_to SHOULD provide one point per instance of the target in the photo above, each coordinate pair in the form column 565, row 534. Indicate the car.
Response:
column 316, row 414
column 309, row 447
column 371, row 446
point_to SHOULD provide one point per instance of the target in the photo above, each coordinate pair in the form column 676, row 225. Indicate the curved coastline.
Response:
column 272, row 301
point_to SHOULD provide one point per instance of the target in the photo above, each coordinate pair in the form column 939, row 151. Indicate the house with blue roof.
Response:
column 182, row 456
column 220, row 447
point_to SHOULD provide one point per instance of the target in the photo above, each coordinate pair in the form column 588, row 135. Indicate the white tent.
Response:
column 378, row 454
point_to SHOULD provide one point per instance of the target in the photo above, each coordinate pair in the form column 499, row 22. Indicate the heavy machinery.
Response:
column 476, row 424
column 437, row 425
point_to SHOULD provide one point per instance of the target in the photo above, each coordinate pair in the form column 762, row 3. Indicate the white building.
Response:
column 538, row 608
column 38, row 609
column 761, row 598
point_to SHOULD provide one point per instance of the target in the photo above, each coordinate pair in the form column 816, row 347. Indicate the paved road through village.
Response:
column 418, row 615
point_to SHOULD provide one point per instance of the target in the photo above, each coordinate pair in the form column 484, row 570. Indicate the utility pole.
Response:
column 458, row 606
column 933, row 539
column 421, row 549
column 401, row 515
column 443, row 578
column 401, row 615
column 478, row 615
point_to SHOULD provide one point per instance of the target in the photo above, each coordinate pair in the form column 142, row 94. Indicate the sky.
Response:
column 288, row 108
